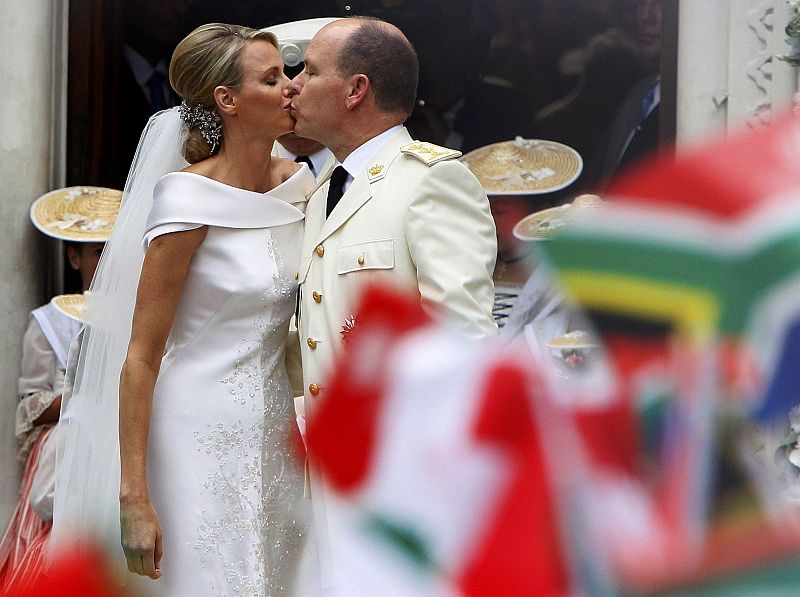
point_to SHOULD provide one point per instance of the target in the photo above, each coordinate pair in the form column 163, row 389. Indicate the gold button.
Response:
column 316, row 296
column 320, row 250
column 313, row 389
column 312, row 344
column 360, row 260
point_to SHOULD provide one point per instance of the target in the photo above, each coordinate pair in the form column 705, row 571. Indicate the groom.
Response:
column 393, row 211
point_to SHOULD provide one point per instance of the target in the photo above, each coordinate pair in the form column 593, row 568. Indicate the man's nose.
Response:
column 296, row 85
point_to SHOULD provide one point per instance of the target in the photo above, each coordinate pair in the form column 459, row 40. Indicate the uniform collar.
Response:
column 359, row 159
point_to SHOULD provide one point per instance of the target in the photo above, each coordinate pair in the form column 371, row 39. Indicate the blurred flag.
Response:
column 709, row 245
column 467, row 472
column 691, row 272
column 433, row 441
column 74, row 573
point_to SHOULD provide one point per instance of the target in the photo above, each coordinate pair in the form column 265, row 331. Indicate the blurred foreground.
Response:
column 654, row 460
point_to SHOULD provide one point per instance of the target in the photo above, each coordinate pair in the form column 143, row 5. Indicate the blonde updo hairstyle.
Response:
column 208, row 57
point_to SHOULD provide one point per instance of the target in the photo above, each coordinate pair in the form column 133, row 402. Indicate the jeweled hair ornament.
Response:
column 205, row 119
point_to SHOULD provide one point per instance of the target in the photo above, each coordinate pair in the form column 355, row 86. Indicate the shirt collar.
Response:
column 359, row 158
column 319, row 159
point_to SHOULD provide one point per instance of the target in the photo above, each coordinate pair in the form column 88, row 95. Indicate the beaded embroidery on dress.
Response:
column 224, row 480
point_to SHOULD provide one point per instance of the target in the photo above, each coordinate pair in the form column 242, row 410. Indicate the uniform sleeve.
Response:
column 39, row 384
column 453, row 244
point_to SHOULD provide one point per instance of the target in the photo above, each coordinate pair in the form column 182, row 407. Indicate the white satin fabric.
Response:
column 222, row 476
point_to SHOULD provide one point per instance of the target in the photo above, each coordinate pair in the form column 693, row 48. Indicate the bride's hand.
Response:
column 141, row 537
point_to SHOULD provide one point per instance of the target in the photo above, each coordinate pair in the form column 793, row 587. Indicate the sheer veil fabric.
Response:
column 86, row 505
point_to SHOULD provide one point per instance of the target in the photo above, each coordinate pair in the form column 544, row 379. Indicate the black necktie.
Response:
column 336, row 188
column 304, row 159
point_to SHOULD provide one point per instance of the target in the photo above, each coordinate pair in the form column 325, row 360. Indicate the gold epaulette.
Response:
column 428, row 153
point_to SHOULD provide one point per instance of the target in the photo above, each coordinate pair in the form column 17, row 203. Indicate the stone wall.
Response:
column 32, row 68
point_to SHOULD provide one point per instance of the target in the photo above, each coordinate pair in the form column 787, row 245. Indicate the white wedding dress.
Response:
column 222, row 475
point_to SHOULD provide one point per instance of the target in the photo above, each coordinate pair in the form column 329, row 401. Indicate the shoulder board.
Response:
column 428, row 153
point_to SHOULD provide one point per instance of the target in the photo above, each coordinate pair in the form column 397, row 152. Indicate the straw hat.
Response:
column 572, row 340
column 84, row 214
column 524, row 166
column 546, row 223
column 71, row 305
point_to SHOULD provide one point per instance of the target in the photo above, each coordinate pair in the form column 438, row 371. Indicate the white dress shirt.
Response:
column 360, row 157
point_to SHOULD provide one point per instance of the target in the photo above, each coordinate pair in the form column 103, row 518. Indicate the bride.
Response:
column 209, row 495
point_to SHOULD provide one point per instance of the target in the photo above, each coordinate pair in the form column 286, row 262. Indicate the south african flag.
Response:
column 708, row 246
column 705, row 250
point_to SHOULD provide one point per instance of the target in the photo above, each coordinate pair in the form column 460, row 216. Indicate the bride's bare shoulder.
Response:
column 203, row 167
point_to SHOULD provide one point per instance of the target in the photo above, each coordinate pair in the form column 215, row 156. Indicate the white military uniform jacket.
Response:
column 415, row 219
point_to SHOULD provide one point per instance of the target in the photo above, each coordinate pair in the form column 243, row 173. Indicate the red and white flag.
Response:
column 432, row 440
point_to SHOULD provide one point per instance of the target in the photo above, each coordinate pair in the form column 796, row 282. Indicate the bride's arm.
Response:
column 160, row 284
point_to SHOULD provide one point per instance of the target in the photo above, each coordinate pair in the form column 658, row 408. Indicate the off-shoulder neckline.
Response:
column 275, row 191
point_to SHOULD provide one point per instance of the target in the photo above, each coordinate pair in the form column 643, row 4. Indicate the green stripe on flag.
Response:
column 739, row 282
column 777, row 579
column 402, row 538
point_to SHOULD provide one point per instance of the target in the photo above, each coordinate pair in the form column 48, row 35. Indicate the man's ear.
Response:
column 226, row 102
column 358, row 91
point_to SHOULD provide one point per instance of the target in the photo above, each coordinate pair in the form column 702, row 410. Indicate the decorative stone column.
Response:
column 702, row 72
column 728, row 76
column 33, row 55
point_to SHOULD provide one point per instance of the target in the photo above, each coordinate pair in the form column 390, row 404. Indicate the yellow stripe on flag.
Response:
column 694, row 312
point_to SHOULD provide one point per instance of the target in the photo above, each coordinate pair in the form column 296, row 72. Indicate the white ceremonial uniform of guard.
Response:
column 414, row 219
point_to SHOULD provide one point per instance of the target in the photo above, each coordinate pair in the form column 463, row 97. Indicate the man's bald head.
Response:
column 380, row 51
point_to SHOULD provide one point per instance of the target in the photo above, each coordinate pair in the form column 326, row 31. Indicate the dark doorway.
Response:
column 490, row 70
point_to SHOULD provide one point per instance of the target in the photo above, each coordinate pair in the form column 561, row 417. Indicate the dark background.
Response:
column 490, row 70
